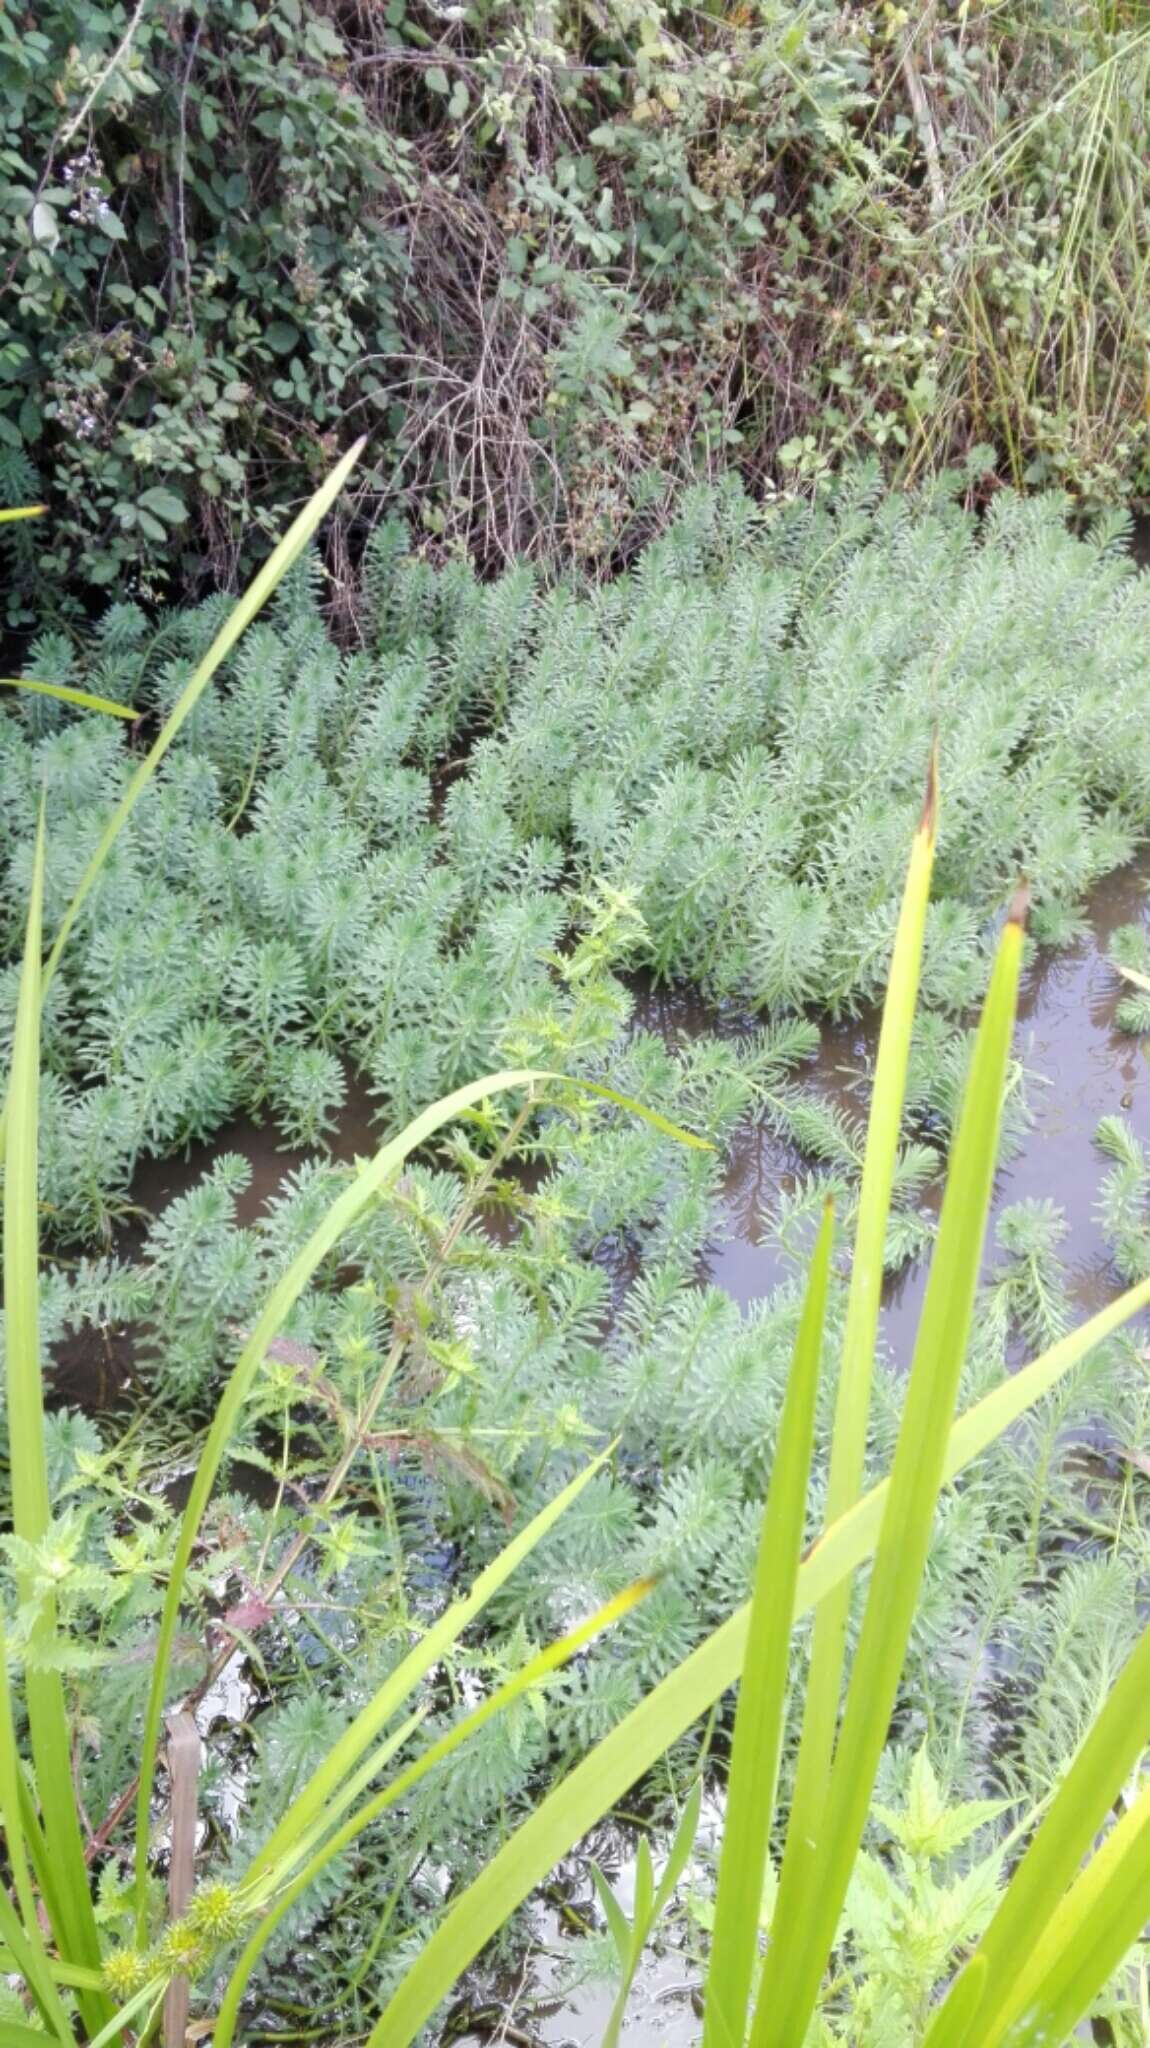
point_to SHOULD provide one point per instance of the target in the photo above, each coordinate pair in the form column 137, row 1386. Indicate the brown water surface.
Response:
column 1081, row 1068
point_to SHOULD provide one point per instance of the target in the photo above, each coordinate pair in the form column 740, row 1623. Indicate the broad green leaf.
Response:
column 593, row 1787
column 812, row 1891
column 166, row 504
column 766, row 1669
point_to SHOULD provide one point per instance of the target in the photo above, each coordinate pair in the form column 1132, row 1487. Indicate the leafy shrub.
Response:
column 560, row 264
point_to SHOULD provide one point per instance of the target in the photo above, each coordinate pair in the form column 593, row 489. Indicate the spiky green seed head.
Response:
column 182, row 1951
column 216, row 1914
column 126, row 1971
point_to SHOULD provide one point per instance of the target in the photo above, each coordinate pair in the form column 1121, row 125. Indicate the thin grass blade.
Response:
column 811, row 1896
column 537, row 1668
column 83, row 699
column 852, row 1404
column 22, row 512
column 367, row 1185
column 762, row 1694
column 74, row 1921
column 262, row 586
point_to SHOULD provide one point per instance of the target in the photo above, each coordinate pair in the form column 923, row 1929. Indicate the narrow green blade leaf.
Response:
column 538, row 1667
column 965, row 2000
column 22, row 1932
column 239, row 618
column 1102, row 1920
column 368, row 1183
column 1102, row 1766
column 31, row 1507
column 22, row 512
column 616, row 1763
column 794, row 1968
column 644, row 1895
column 682, row 1845
column 617, row 1921
column 766, row 1667
column 84, row 699
column 852, row 1403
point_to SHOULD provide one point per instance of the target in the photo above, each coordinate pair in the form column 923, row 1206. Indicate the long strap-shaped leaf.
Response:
column 852, row 1401
column 22, row 1931
column 1104, row 1916
column 811, row 1897
column 347, row 1207
column 754, row 1768
column 66, row 1890
column 615, row 1764
column 1084, row 1799
column 83, row 699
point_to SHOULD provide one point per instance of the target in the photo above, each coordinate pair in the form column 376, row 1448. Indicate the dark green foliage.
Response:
column 559, row 264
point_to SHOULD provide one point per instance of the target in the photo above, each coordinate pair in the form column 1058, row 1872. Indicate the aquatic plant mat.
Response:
column 488, row 838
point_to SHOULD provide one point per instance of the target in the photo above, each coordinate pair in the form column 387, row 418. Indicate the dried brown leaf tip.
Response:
column 928, row 822
column 1019, row 906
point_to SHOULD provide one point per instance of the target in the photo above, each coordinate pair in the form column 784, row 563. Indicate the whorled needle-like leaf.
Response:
column 263, row 584
column 369, row 1182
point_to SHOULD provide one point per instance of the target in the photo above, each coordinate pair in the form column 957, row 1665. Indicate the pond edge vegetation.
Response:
column 1059, row 1930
